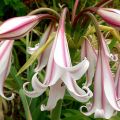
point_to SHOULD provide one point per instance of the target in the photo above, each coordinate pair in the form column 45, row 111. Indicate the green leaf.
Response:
column 25, row 105
column 72, row 114
column 56, row 112
column 112, row 44
column 7, row 2
column 17, row 79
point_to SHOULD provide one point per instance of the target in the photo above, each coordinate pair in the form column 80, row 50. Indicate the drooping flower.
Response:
column 104, row 98
column 59, row 71
column 18, row 27
column 111, row 16
column 5, row 63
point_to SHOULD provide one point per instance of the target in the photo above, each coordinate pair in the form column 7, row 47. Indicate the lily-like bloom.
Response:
column 18, row 27
column 60, row 73
column 105, row 97
column 111, row 16
column 5, row 63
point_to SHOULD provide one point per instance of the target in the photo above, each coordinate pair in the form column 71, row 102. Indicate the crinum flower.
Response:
column 60, row 70
column 104, row 96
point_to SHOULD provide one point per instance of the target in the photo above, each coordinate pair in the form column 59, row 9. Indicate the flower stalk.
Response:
column 56, row 112
column 48, row 10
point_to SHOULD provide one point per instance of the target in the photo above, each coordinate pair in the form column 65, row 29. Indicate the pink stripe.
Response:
column 19, row 27
column 6, row 71
column 28, row 22
column 5, row 49
column 63, row 46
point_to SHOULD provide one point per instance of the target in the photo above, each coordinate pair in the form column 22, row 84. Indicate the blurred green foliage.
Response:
column 9, row 8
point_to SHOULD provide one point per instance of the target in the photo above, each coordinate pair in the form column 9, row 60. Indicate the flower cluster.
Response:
column 56, row 60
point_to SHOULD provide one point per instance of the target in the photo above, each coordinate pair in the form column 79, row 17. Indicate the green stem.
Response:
column 98, row 32
column 56, row 112
column 25, row 105
column 27, row 56
column 1, row 109
column 54, row 5
column 39, row 10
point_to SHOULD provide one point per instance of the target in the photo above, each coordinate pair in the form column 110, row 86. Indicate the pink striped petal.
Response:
column 117, row 81
column 89, row 52
column 33, row 93
column 77, row 71
column 74, row 90
column 107, row 51
column 108, row 81
column 117, row 84
column 18, row 27
column 105, row 99
column 111, row 16
column 54, row 96
column 38, row 87
column 43, row 58
column 5, row 63
column 62, row 57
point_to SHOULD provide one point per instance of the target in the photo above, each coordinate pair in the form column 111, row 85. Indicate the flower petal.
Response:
column 31, row 94
column 54, row 96
column 74, row 90
column 63, row 60
column 117, row 75
column 89, row 52
column 108, row 81
column 117, row 82
column 38, row 87
column 43, row 58
column 31, row 50
column 77, row 71
column 5, row 63
column 111, row 16
column 18, row 27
